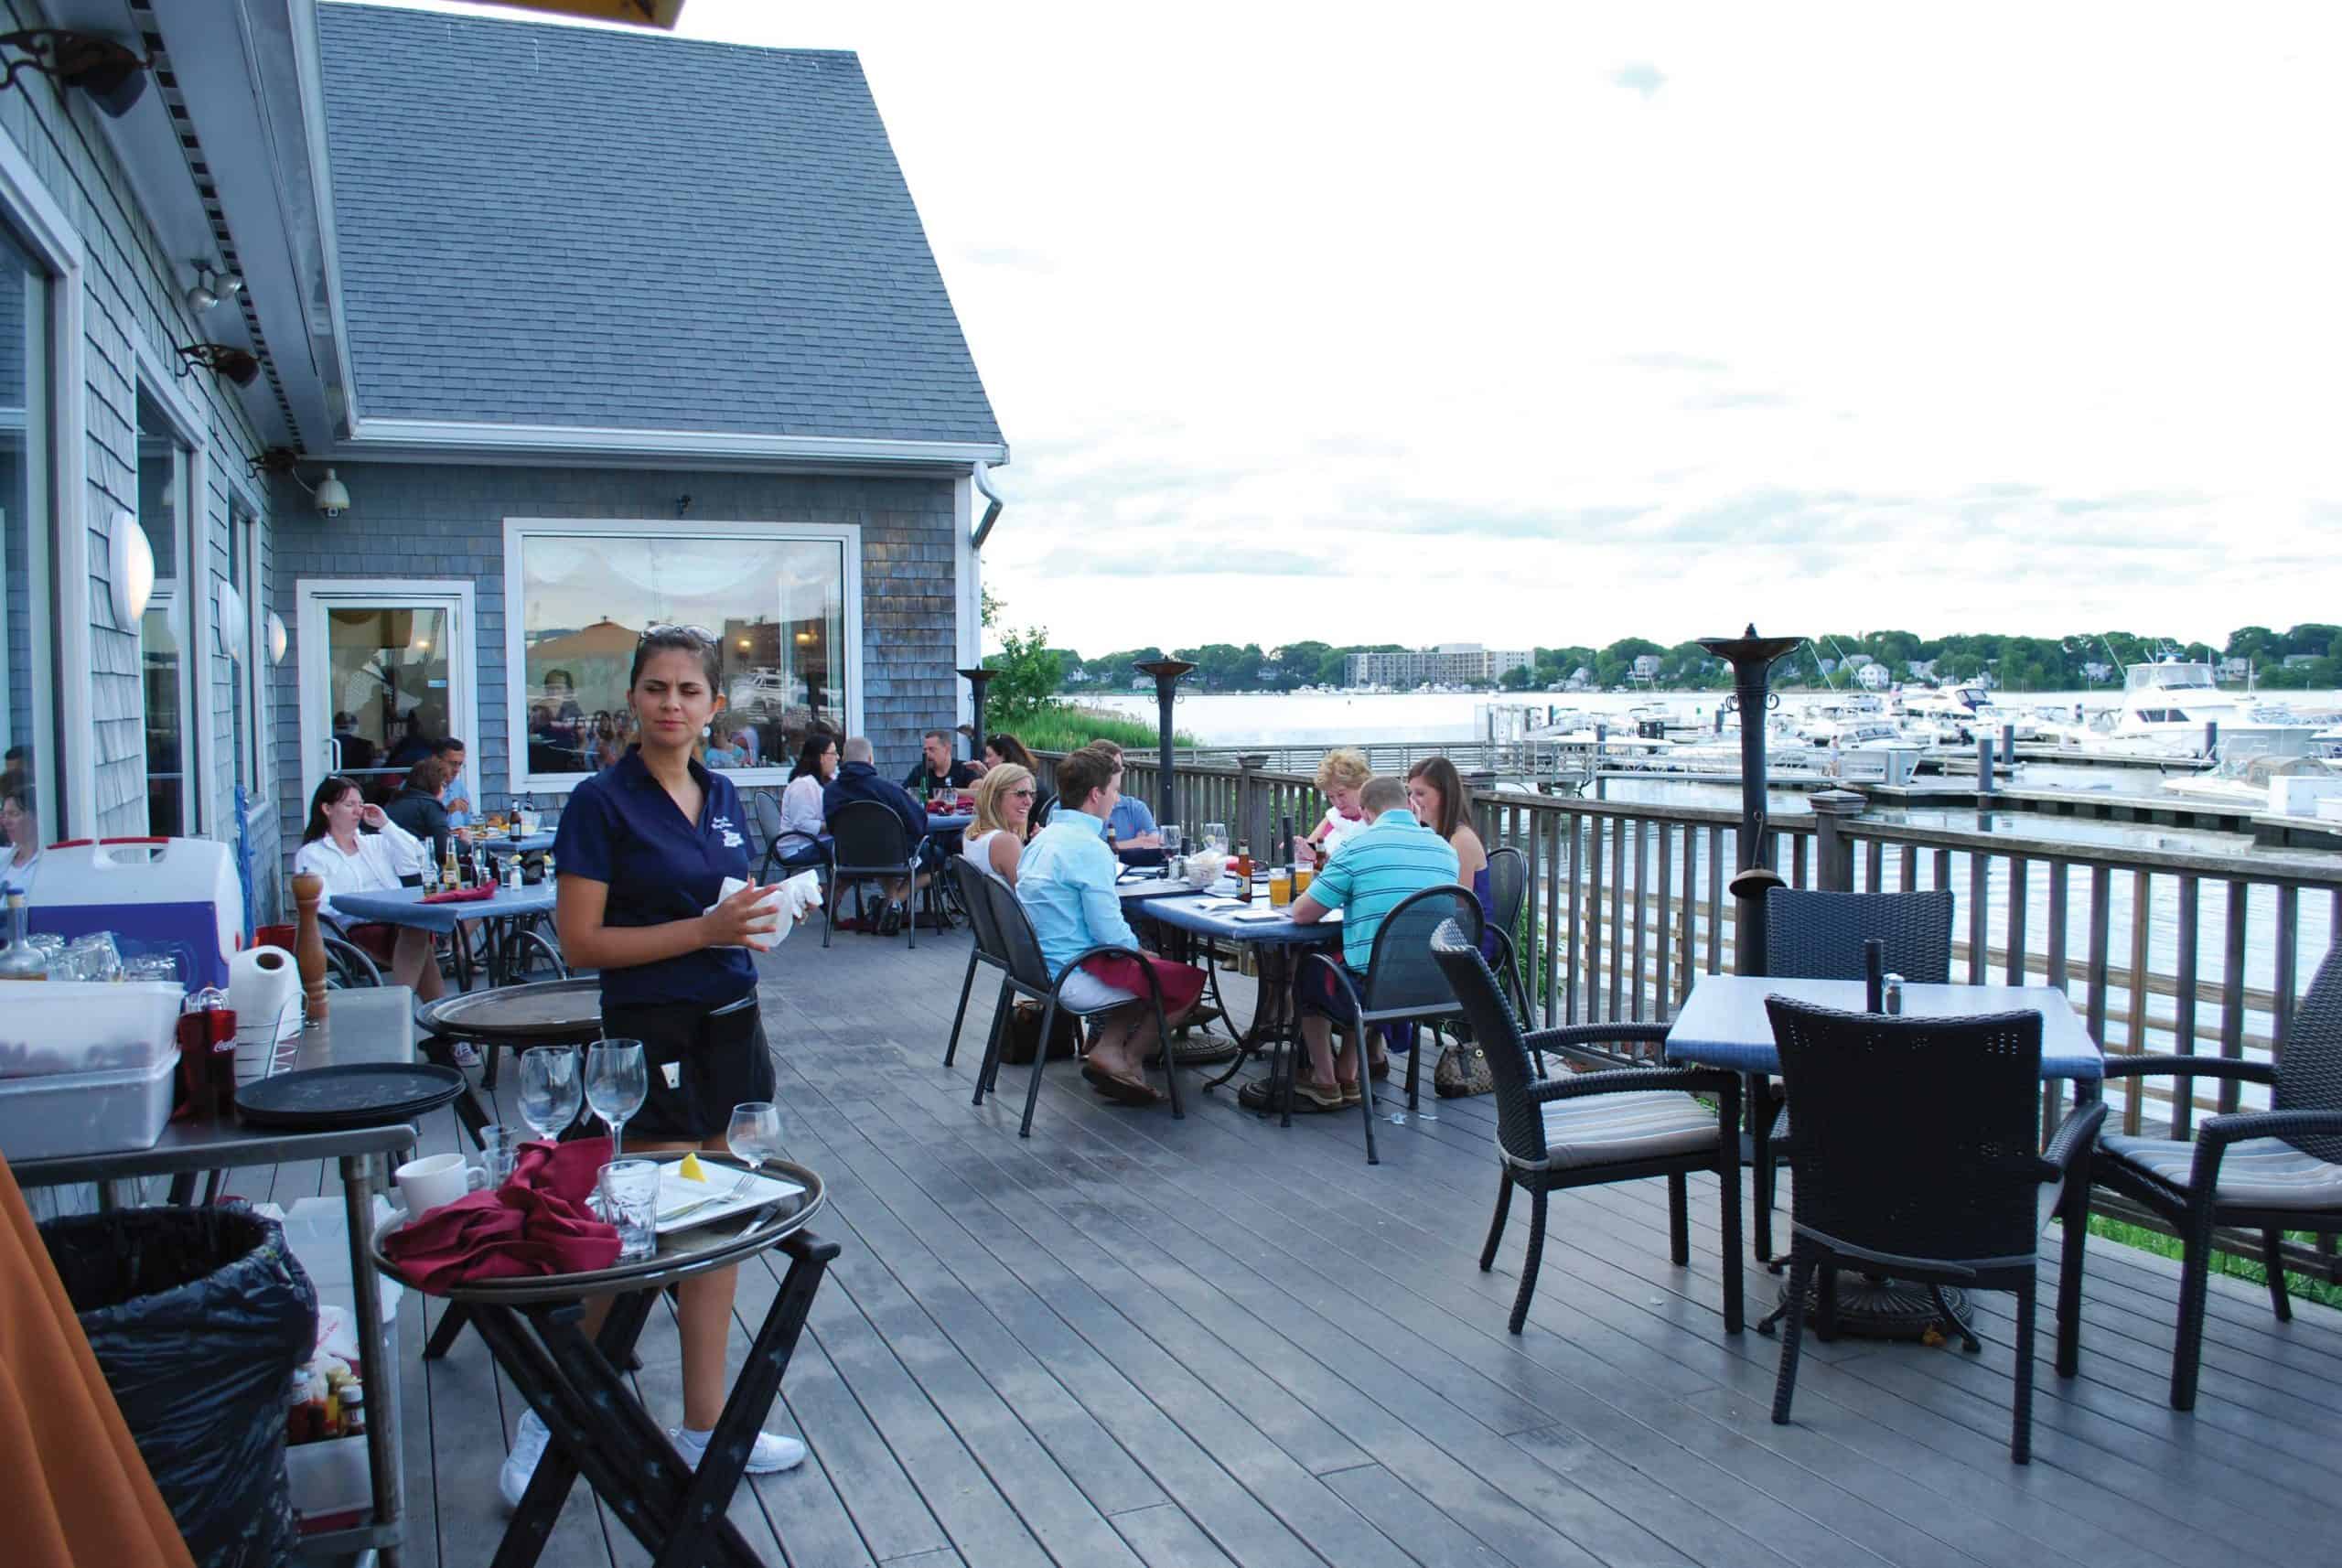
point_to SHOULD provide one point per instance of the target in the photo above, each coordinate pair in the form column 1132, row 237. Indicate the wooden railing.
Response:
column 2164, row 944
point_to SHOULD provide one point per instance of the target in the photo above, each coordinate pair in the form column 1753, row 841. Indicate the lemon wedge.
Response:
column 691, row 1170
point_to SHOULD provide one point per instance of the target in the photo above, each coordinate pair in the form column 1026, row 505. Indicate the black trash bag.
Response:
column 198, row 1318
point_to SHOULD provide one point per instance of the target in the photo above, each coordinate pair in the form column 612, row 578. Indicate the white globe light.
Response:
column 277, row 641
column 130, row 568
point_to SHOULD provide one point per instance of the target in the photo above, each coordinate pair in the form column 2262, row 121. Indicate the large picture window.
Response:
column 28, row 716
column 780, row 601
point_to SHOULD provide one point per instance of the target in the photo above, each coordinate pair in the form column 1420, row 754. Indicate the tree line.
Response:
column 2309, row 655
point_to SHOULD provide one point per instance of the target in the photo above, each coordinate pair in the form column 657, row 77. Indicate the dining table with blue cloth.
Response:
column 1724, row 1022
column 405, row 907
column 1279, row 942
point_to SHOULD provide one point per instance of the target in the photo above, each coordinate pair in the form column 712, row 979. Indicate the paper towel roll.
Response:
column 262, row 985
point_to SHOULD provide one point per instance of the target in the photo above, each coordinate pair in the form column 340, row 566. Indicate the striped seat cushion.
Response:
column 1610, row 1129
column 2256, row 1173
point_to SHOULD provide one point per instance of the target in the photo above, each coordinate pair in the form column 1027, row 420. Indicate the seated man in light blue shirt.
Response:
column 1066, row 882
column 456, row 797
column 1132, row 823
column 1375, row 870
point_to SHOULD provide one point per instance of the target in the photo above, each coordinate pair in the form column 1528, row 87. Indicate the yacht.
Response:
column 2167, row 705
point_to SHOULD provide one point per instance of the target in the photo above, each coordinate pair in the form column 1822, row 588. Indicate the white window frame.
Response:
column 314, row 595
column 243, row 561
column 40, row 224
column 188, row 590
column 516, row 684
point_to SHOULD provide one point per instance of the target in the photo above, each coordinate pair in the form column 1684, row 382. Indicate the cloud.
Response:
column 1202, row 561
column 1731, row 400
column 1640, row 76
column 1665, row 359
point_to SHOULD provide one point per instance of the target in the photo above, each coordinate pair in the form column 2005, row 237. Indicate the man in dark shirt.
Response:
column 857, row 779
column 935, row 769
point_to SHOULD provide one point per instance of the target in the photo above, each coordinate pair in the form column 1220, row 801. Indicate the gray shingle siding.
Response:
column 547, row 225
column 420, row 521
column 131, row 298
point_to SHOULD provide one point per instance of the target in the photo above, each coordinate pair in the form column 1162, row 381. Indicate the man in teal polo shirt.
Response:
column 1372, row 874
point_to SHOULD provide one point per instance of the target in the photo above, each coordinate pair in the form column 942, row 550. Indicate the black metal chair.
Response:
column 1916, row 1155
column 1508, row 885
column 969, row 877
column 1042, row 808
column 1403, row 985
column 349, row 967
column 1823, row 936
column 1026, row 974
column 869, row 843
column 1627, row 1120
column 2270, row 1171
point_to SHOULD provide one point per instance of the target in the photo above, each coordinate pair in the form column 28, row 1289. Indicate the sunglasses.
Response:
column 699, row 633
column 1023, row 794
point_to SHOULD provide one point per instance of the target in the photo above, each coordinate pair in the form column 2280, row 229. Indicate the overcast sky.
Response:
column 1484, row 323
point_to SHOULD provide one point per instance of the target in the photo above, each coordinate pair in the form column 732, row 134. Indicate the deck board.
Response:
column 1217, row 1343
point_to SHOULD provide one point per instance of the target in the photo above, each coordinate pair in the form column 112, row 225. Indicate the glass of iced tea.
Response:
column 1280, row 887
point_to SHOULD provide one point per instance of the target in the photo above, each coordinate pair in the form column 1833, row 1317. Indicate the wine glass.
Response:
column 1215, row 837
column 754, row 1136
column 1171, row 840
column 617, row 1081
column 550, row 1090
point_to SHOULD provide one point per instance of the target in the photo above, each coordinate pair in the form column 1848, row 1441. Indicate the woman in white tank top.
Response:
column 1004, row 810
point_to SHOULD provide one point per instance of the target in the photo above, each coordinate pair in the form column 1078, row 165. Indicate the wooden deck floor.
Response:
column 1133, row 1340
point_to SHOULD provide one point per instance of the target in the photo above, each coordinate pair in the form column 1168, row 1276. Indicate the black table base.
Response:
column 1870, row 1307
column 601, row 1431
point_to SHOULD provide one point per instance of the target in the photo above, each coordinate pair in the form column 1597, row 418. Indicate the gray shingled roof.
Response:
column 553, row 225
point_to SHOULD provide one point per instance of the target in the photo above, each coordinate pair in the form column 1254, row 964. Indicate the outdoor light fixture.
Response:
column 236, row 364
column 130, row 568
column 110, row 72
column 277, row 641
column 332, row 497
column 210, row 288
column 232, row 614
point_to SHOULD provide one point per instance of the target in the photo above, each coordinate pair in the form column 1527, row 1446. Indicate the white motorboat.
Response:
column 2168, row 708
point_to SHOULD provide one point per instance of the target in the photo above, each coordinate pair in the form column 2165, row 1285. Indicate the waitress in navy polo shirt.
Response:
column 644, row 846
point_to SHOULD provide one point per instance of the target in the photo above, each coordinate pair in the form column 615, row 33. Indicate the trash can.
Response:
column 197, row 1318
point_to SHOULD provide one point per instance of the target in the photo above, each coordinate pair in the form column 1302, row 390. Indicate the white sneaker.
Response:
column 772, row 1454
column 528, row 1447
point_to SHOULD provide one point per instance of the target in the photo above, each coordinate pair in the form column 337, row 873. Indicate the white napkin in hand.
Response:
column 788, row 903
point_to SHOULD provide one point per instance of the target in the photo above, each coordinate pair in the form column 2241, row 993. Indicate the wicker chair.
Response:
column 1821, row 936
column 1026, row 974
column 1916, row 1155
column 1403, row 985
column 868, row 843
column 969, row 878
column 1627, row 1120
column 2270, row 1171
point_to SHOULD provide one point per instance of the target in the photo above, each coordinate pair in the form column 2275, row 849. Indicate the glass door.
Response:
column 386, row 670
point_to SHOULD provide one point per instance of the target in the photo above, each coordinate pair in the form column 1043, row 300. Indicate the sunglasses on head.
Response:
column 699, row 633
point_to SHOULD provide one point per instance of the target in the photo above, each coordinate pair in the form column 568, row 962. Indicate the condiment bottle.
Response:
column 353, row 1408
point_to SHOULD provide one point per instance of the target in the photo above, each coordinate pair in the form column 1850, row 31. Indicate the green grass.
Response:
column 1061, row 727
column 2306, row 1286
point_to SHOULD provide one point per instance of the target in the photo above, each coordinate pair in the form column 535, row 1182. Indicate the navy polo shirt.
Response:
column 623, row 828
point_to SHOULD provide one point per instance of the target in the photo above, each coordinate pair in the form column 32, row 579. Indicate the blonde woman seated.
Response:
column 996, row 841
column 1340, row 775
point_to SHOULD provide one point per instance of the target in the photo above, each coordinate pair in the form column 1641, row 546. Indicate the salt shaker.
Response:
column 1892, row 993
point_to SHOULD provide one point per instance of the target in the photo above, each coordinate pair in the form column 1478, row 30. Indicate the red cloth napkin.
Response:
column 537, row 1223
column 462, row 894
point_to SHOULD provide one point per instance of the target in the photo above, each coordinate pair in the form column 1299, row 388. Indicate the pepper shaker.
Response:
column 1892, row 998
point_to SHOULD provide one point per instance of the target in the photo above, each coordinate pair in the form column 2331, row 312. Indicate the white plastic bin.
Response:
column 87, row 1026
column 85, row 1113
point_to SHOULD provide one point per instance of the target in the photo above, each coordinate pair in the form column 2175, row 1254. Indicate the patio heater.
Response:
column 1751, row 658
column 978, row 679
column 1166, row 674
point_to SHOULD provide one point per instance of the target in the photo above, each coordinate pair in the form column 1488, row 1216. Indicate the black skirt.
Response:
column 702, row 1062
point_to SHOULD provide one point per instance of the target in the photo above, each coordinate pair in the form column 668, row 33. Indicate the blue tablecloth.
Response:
column 939, row 824
column 1724, row 1023
column 405, row 907
column 1255, row 922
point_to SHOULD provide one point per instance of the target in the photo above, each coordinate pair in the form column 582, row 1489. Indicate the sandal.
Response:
column 1126, row 1090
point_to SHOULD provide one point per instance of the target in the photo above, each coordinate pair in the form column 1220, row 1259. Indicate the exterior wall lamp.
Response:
column 110, row 72
column 130, row 568
column 210, row 288
column 331, row 496
column 236, row 364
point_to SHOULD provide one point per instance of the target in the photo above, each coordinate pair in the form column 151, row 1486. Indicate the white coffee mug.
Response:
column 436, row 1181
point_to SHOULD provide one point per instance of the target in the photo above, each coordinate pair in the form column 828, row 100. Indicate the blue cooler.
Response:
column 156, row 895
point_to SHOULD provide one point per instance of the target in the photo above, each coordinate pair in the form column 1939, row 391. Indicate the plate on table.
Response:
column 678, row 1193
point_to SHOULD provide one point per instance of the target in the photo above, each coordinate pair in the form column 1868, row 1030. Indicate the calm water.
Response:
column 1336, row 718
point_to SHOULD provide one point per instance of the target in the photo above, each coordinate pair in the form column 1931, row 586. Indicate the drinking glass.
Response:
column 617, row 1081
column 755, row 1133
column 95, row 956
column 630, row 1201
column 1215, row 837
column 499, row 1151
column 1170, row 839
column 551, row 1091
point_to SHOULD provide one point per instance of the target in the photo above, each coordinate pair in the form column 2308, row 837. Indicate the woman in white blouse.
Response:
column 1004, row 817
column 352, row 862
column 801, row 824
